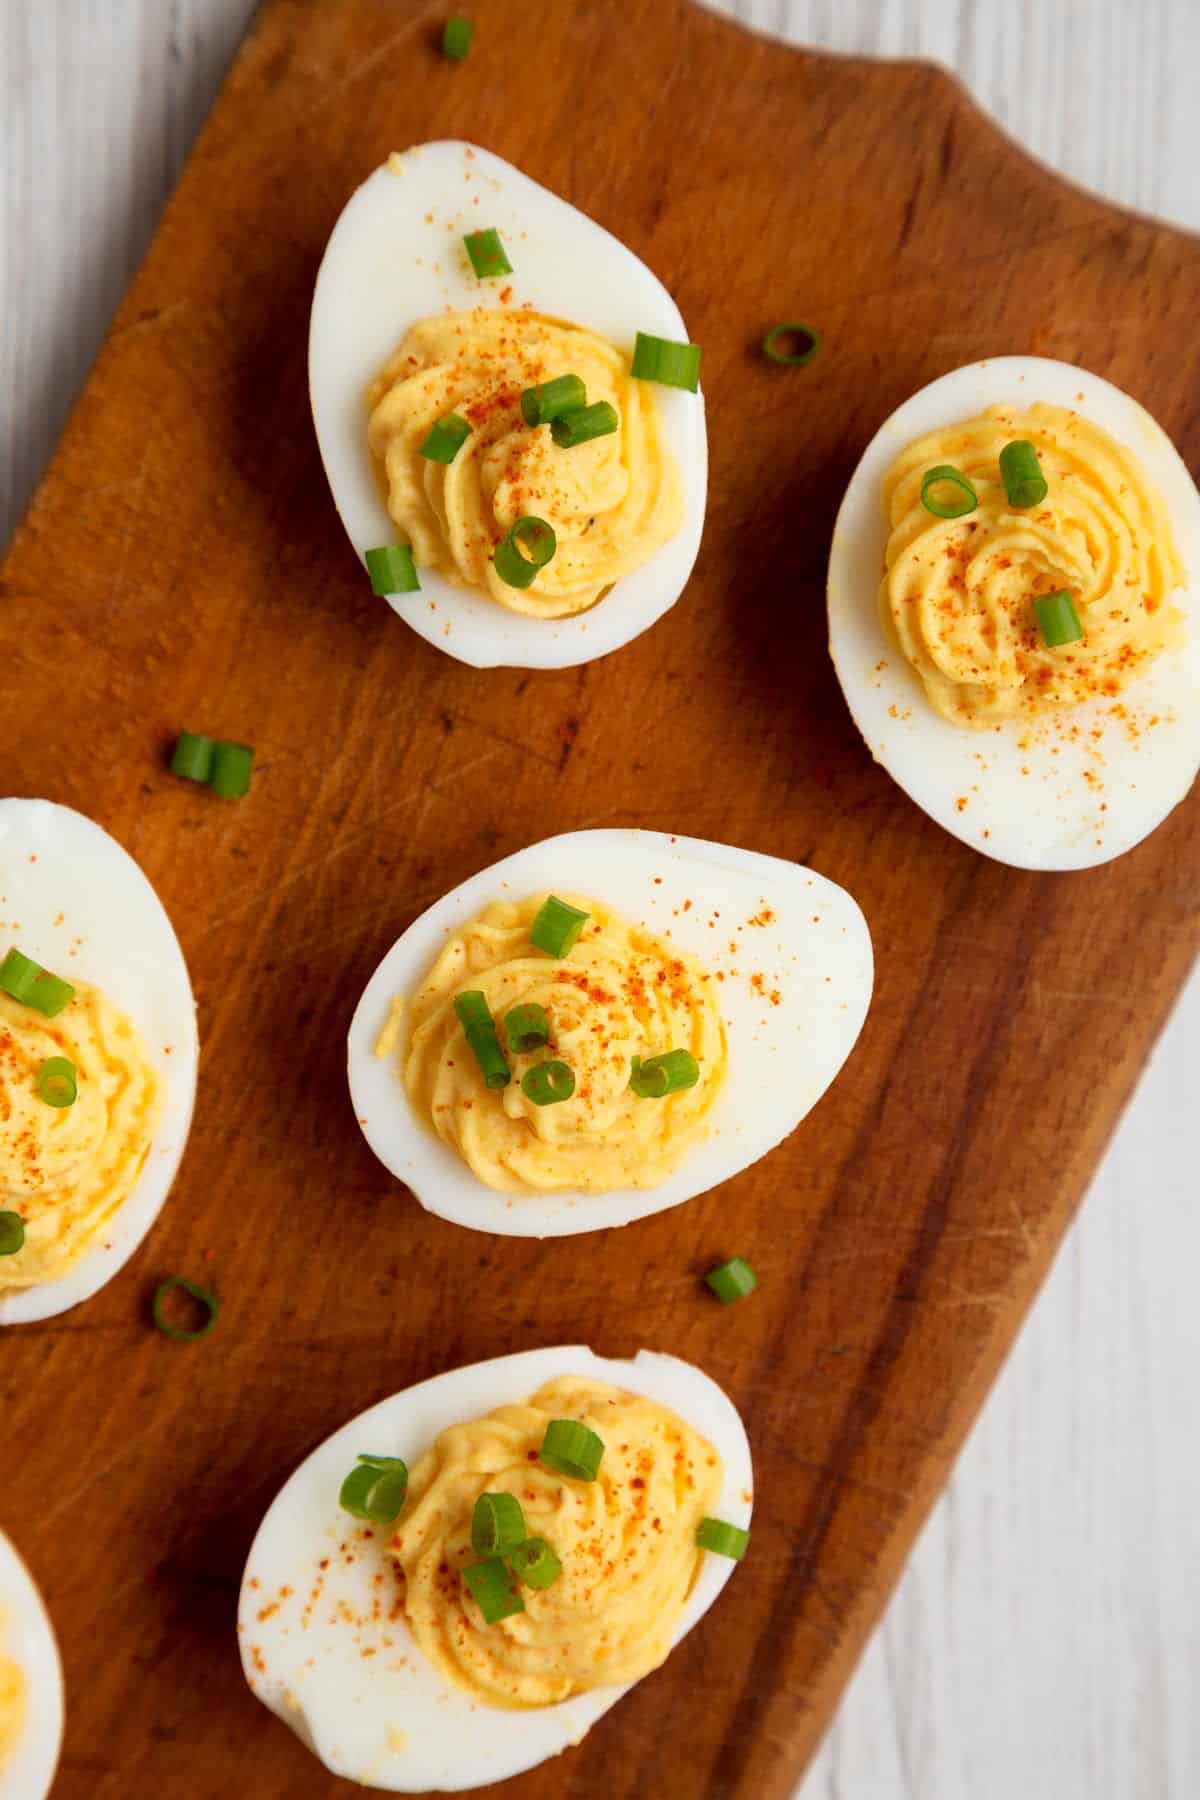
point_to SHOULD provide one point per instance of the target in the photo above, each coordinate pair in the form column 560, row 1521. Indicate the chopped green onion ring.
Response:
column 791, row 328
column 662, row 360
column 527, row 1028
column 583, row 424
column 446, row 438
column 456, row 37
column 201, row 1295
column 546, row 1083
column 1021, row 472
column 375, row 1489
column 12, row 1233
column 56, row 1081
column 550, row 399
column 497, row 1525
column 494, row 1590
column 487, row 254
column 231, row 768
column 722, row 1539
column 192, row 756
column 959, row 503
column 535, row 1563
column 475, row 1017
column 654, row 1077
column 24, row 980
column 733, row 1280
column 528, row 547
column 571, row 1449
column 392, row 570
column 557, row 927
column 1057, row 619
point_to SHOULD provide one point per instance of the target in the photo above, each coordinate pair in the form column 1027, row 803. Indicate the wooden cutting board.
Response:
column 182, row 564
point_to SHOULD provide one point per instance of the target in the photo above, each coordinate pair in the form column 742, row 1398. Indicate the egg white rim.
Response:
column 134, row 956
column 371, row 250
column 1057, row 820
column 27, row 1636
column 405, row 1425
column 799, row 948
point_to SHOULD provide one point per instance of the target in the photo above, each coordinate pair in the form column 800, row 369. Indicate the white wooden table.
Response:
column 1045, row 1641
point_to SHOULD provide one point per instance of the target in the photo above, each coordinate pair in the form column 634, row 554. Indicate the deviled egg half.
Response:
column 461, row 1581
column 508, row 411
column 31, row 1685
column 98, row 1056
column 604, row 1025
column 1012, row 611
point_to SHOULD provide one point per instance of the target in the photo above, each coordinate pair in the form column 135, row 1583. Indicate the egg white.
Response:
column 27, row 1638
column 75, row 901
column 1049, row 818
column 815, row 954
column 387, row 266
column 347, row 1707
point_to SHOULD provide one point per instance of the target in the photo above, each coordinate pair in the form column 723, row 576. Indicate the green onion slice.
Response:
column 732, row 1280
column 456, row 38
column 192, row 756
column 557, row 927
column 201, row 1295
column 231, row 766
column 487, row 254
column 494, row 1590
column 12, row 1233
column 497, row 1525
column 1022, row 475
column 658, row 1076
column 447, row 436
column 791, row 330
column 56, row 1081
column 947, row 493
column 659, row 359
column 550, row 399
column 376, row 1489
column 24, row 980
column 722, row 1539
column 1057, row 619
column 570, row 1448
column 527, row 1028
column 529, row 546
column 392, row 570
column 583, row 424
column 535, row 1563
column 476, row 1020
column 546, row 1083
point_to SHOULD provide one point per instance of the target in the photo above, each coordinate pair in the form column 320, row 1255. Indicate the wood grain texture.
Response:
column 920, row 1203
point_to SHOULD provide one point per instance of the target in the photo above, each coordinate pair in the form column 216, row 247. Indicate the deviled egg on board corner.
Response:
column 31, row 1685
column 738, row 982
column 366, row 1634
column 1030, row 671
column 418, row 365
column 98, row 1058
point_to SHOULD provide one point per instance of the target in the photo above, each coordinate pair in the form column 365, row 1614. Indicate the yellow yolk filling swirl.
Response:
column 620, row 992
column 13, row 1701
column 958, row 593
column 612, row 501
column 626, row 1542
column 68, row 1170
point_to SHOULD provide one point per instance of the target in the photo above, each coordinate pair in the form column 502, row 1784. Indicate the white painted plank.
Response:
column 1045, row 1642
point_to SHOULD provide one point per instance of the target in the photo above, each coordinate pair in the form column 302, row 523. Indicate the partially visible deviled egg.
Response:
column 604, row 1025
column 31, row 1686
column 1029, row 671
column 454, row 407
column 98, row 1056
column 517, row 1543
